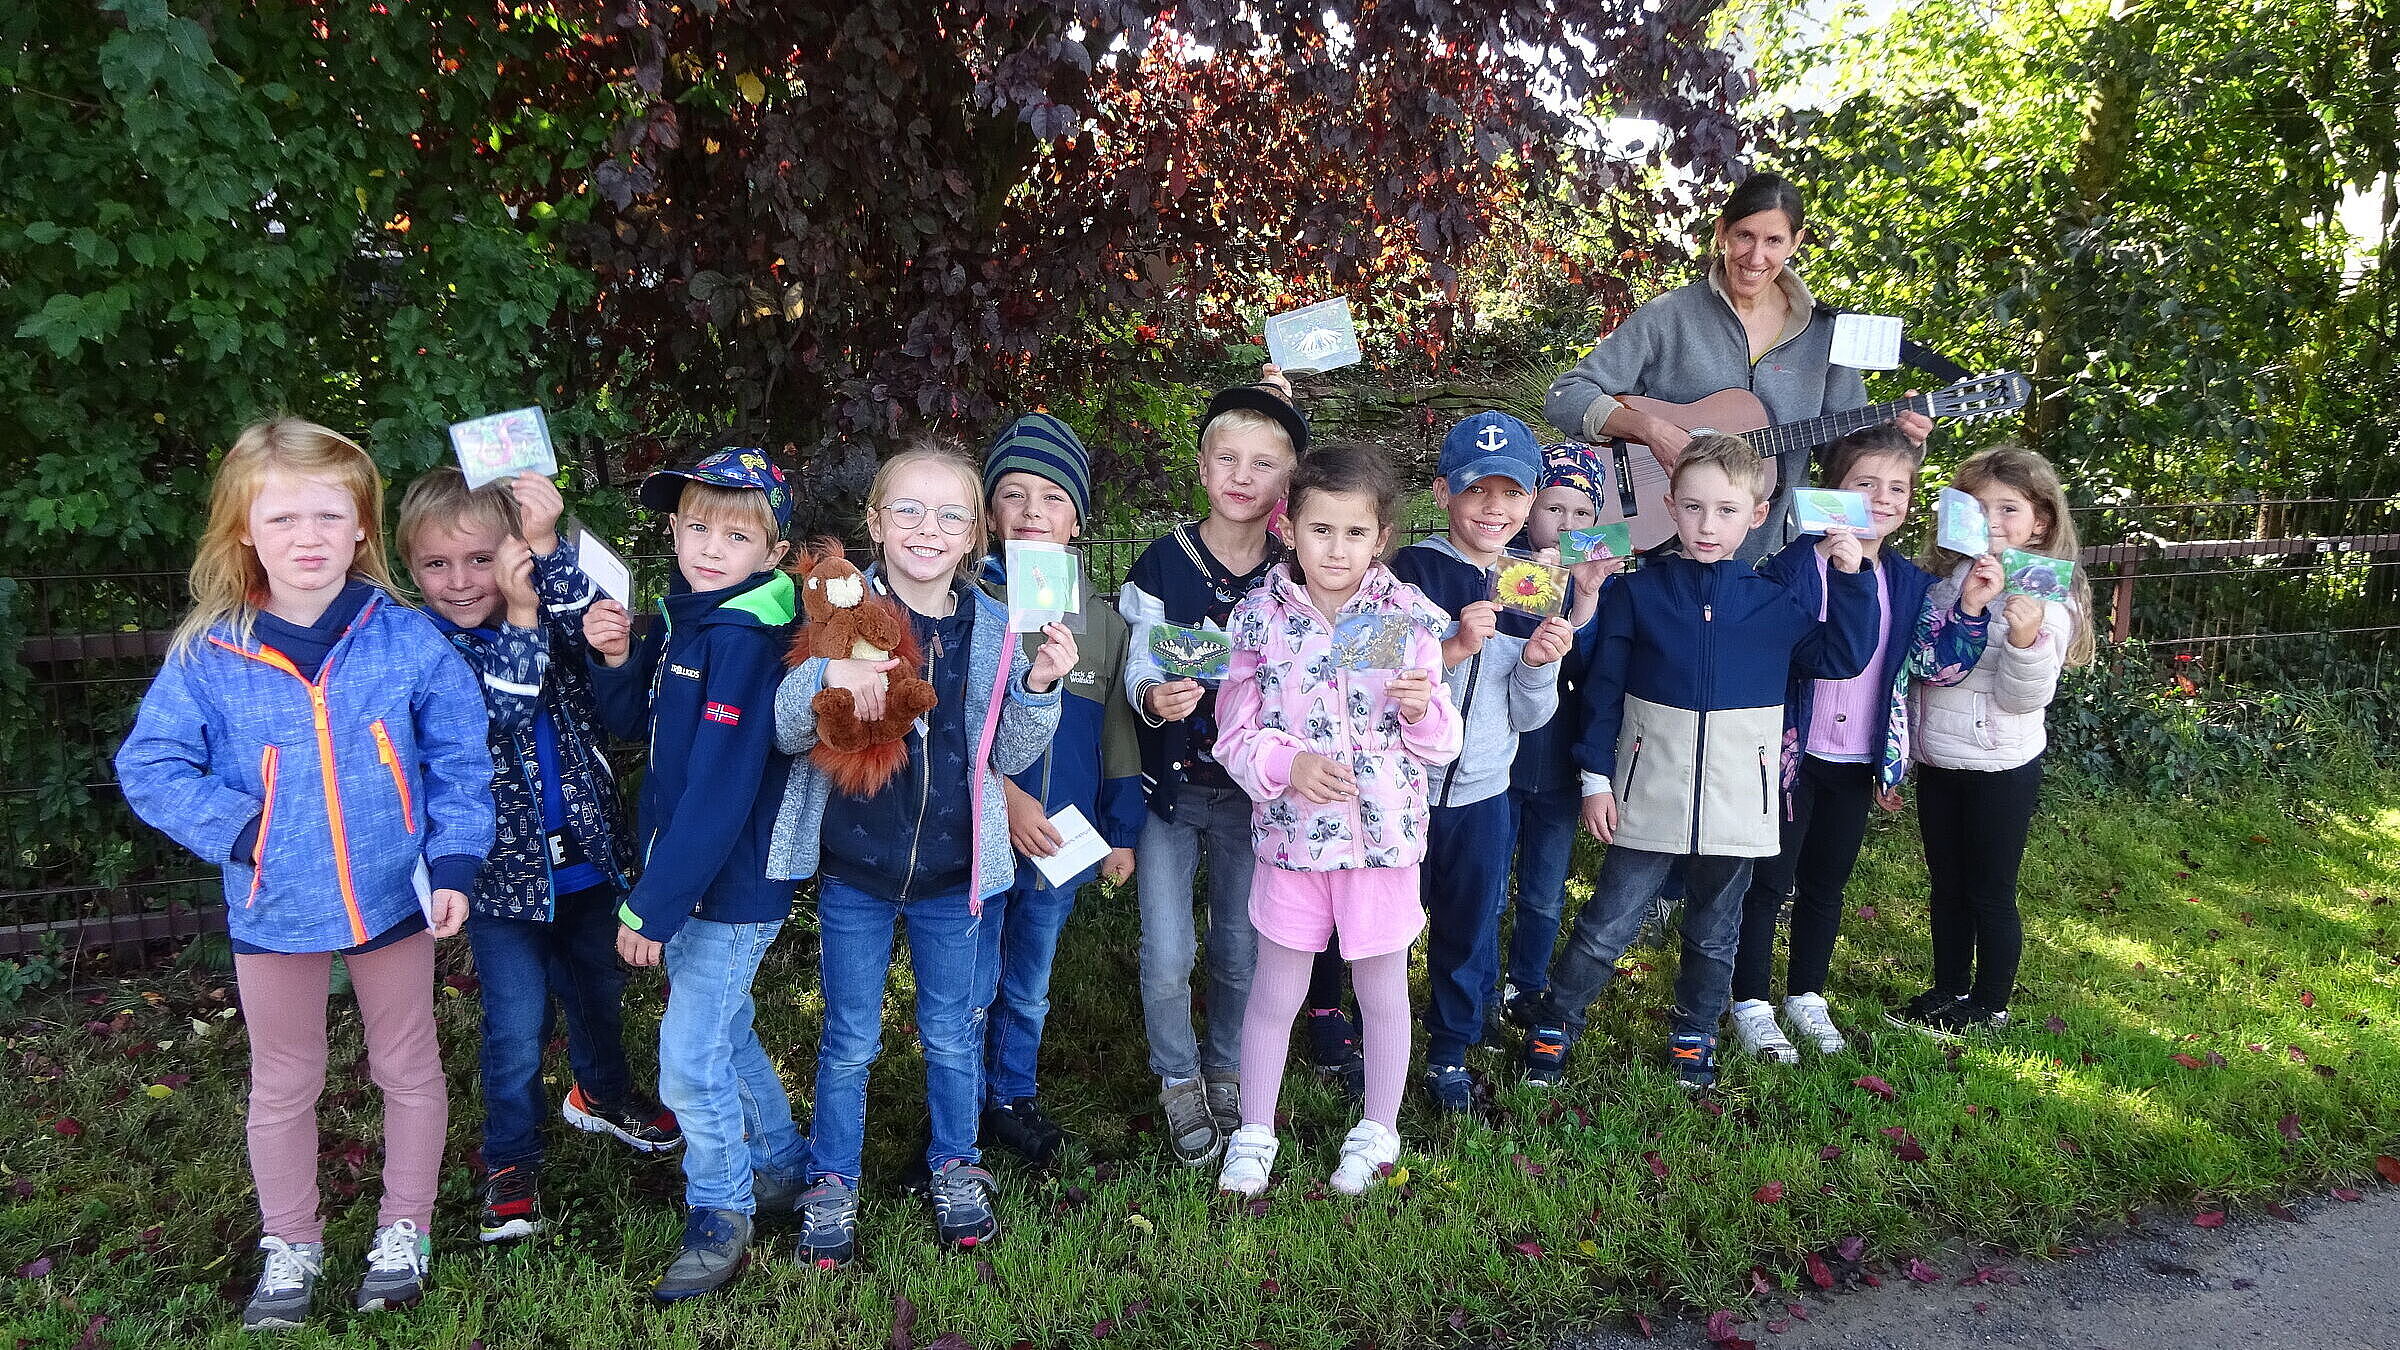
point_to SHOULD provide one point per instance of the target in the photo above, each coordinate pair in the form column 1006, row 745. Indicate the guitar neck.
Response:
column 1816, row 431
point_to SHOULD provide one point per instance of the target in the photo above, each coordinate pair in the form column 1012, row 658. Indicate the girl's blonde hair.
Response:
column 932, row 448
column 2031, row 477
column 228, row 585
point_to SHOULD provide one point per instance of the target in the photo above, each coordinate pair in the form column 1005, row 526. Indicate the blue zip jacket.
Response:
column 1497, row 695
column 527, row 674
column 703, row 680
column 355, row 778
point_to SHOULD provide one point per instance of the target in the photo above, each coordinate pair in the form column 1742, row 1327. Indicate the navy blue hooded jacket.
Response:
column 704, row 680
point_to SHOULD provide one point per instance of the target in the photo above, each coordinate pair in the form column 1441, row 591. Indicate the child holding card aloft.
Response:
column 1037, row 483
column 926, row 849
column 1683, row 710
column 506, row 590
column 1978, row 747
column 1336, row 759
column 1501, row 665
column 325, row 838
column 1845, row 742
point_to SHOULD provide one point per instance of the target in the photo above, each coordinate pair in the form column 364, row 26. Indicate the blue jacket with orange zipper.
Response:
column 703, row 682
column 354, row 778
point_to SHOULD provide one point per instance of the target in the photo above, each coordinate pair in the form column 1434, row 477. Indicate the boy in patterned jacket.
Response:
column 543, row 918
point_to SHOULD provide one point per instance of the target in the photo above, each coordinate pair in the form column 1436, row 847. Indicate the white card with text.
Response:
column 1866, row 341
column 601, row 563
column 1079, row 847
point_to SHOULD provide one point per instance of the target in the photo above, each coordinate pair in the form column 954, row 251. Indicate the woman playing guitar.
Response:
column 1749, row 324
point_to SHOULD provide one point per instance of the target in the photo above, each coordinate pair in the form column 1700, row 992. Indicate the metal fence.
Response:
column 2245, row 590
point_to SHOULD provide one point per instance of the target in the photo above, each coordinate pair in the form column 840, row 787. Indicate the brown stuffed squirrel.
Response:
column 845, row 621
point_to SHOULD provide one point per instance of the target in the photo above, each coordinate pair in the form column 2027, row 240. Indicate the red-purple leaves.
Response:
column 1829, row 1153
column 1852, row 1249
column 2346, row 1195
column 1875, row 1085
column 2283, row 1212
column 2289, row 1126
column 2209, row 1218
column 1920, row 1272
column 1904, row 1145
column 904, row 1321
column 1721, row 1333
column 1658, row 1165
column 2187, row 1061
column 2388, row 1167
column 1769, row 1194
column 1819, row 1274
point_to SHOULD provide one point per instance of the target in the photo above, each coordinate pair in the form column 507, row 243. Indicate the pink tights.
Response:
column 1279, row 985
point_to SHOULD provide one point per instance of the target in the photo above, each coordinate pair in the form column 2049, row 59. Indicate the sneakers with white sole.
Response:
column 1814, row 1023
column 1369, row 1148
column 1759, row 1034
column 1249, row 1159
column 396, row 1265
column 286, row 1286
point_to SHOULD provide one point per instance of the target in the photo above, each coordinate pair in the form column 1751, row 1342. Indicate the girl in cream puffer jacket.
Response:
column 1997, row 717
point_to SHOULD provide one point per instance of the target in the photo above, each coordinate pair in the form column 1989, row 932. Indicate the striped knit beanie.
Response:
column 1045, row 447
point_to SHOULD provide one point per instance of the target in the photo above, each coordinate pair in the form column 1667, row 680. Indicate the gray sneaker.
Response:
column 280, row 1302
column 396, row 1265
column 716, row 1245
column 1225, row 1104
column 829, row 1224
column 1192, row 1132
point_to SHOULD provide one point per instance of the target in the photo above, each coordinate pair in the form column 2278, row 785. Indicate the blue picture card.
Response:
column 1191, row 653
column 1320, row 337
column 1816, row 510
column 503, row 445
column 1613, row 540
column 1372, row 641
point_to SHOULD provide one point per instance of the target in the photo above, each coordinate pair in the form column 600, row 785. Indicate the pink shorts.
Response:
column 1375, row 909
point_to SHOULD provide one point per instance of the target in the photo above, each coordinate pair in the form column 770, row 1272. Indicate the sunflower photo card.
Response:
column 1529, row 586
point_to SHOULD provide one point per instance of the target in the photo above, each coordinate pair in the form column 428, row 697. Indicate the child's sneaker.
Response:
column 1366, row 1151
column 829, row 1224
column 285, row 1287
column 1022, row 1128
column 1545, row 1059
column 1520, row 1008
column 646, row 1128
column 1814, row 1021
column 1192, row 1133
column 1333, row 1050
column 1451, row 1087
column 716, row 1245
column 512, row 1204
column 1759, row 1034
column 1695, row 1061
column 1224, row 1103
column 964, row 1204
column 1917, row 1014
column 1961, row 1020
column 1249, row 1158
column 396, row 1266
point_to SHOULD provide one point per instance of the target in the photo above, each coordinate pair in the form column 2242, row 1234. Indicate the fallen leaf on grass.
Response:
column 1850, row 1248
column 985, row 1273
column 1457, row 1319
column 1867, row 912
column 36, row 1268
column 2283, row 1212
column 1643, row 1322
column 2209, row 1218
column 1658, row 1165
column 1875, row 1085
column 1528, row 1248
column 67, row 1126
column 1819, row 1274
column 2055, row 1024
column 2298, row 1057
column 950, row 1340
column 1922, row 1273
column 2308, row 998
column 2187, row 1061
column 2070, row 1148
column 904, row 1321
column 1799, row 1311
column 1829, row 1153
column 1769, row 1194
column 1103, row 1329
column 1270, row 1287
column 1904, row 1145
column 2346, row 1195
column 2289, row 1126
column 2388, row 1167
column 1760, row 1285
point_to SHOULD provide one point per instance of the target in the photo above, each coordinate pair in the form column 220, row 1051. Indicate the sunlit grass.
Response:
column 2257, row 938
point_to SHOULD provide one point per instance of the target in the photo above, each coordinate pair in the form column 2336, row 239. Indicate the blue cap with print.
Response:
column 1491, row 445
column 741, row 466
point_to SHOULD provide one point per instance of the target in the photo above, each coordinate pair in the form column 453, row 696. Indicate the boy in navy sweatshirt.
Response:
column 704, row 679
column 1683, row 730
column 1502, row 669
column 506, row 591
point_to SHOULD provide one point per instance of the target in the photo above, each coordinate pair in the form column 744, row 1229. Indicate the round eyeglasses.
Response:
column 908, row 515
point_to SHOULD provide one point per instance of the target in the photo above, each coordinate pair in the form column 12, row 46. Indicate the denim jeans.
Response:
column 1545, row 824
column 1466, row 881
column 530, row 971
column 712, row 1072
column 1620, row 905
column 1020, row 940
column 1166, row 871
column 945, row 952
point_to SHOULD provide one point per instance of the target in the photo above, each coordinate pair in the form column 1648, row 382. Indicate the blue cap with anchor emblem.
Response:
column 1491, row 445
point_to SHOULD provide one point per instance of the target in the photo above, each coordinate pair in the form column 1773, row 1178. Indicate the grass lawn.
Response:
column 2209, row 1004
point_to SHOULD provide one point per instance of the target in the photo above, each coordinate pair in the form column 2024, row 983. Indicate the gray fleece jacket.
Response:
column 1688, row 344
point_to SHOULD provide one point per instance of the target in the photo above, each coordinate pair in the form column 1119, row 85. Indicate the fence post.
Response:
column 2120, row 607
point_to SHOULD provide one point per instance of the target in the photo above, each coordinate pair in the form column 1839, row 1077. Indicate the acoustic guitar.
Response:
column 1637, row 488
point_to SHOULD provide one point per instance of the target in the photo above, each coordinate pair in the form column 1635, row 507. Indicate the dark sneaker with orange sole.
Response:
column 1694, row 1059
column 1545, row 1059
column 645, row 1127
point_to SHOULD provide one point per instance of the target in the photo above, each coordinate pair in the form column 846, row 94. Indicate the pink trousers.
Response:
column 283, row 1002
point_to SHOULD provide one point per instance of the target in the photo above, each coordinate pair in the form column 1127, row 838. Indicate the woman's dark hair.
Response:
column 1763, row 192
column 1346, row 467
column 1843, row 455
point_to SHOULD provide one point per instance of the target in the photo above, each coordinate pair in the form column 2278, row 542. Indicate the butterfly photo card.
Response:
column 1202, row 654
column 1600, row 542
column 1529, row 586
column 503, row 445
column 1960, row 524
column 2038, row 575
column 1045, row 586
